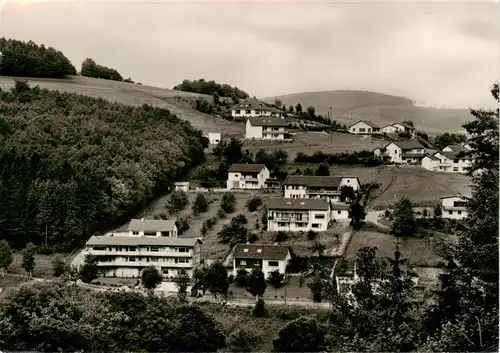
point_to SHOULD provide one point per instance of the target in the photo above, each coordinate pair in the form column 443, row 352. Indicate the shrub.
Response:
column 178, row 201
column 276, row 279
column 200, row 204
column 242, row 341
column 228, row 202
column 280, row 237
column 259, row 310
column 91, row 69
column 182, row 224
column 254, row 203
column 241, row 278
column 365, row 158
column 58, row 267
column 311, row 234
column 211, row 222
column 252, row 238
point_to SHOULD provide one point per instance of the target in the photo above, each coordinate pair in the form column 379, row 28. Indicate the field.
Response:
column 134, row 94
column 310, row 142
column 43, row 265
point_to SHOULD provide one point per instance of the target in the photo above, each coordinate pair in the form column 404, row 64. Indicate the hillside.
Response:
column 177, row 102
column 72, row 165
column 349, row 106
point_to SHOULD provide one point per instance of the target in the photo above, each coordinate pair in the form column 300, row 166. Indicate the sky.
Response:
column 437, row 53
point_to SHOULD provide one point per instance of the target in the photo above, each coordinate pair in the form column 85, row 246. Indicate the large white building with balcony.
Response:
column 268, row 258
column 146, row 243
column 295, row 215
column 303, row 186
column 452, row 159
column 266, row 128
column 252, row 107
column 247, row 176
column 453, row 207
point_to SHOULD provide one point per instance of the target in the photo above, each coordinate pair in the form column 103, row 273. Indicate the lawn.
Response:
column 292, row 290
column 310, row 142
column 43, row 265
column 133, row 94
column 419, row 251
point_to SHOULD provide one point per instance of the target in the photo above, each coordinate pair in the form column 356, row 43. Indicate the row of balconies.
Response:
column 162, row 253
column 143, row 263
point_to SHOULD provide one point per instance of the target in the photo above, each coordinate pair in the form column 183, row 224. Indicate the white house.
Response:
column 247, row 176
column 182, row 186
column 252, row 107
column 431, row 162
column 214, row 137
column 340, row 211
column 407, row 151
column 389, row 129
column 454, row 159
column 453, row 207
column 399, row 127
column 147, row 244
column 364, row 127
column 295, row 215
column 302, row 186
column 268, row 258
column 266, row 128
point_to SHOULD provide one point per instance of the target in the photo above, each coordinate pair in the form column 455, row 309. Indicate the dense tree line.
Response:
column 91, row 69
column 73, row 164
column 210, row 88
column 28, row 59
column 447, row 138
column 365, row 158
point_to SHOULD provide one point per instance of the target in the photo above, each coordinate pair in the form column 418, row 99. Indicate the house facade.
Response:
column 266, row 128
column 454, row 159
column 340, row 212
column 364, row 127
column 268, row 258
column 453, row 207
column 302, row 186
column 252, row 107
column 408, row 151
column 247, row 176
column 389, row 129
column 214, row 137
column 127, row 254
column 182, row 185
column 295, row 215
column 399, row 127
column 431, row 162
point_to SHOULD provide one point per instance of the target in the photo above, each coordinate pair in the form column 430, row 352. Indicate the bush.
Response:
column 91, row 69
column 259, row 310
column 27, row 59
column 254, row 203
column 178, row 201
column 211, row 222
column 58, row 267
column 200, row 204
column 365, row 158
column 252, row 238
column 221, row 214
column 228, row 202
column 280, row 237
column 182, row 224
column 242, row 341
column 276, row 279
column 241, row 278
column 311, row 234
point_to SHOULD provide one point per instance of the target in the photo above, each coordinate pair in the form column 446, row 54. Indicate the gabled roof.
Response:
column 138, row 241
column 152, row 225
column 458, row 148
column 431, row 157
column 261, row 251
column 313, row 181
column 367, row 122
column 268, row 121
column 282, row 203
column 405, row 126
column 253, row 104
column 449, row 155
column 246, row 168
column 339, row 206
column 407, row 144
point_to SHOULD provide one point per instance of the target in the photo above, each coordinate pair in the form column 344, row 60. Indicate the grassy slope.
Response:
column 379, row 108
column 133, row 94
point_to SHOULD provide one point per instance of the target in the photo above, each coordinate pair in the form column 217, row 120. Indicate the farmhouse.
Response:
column 363, row 127
column 148, row 243
column 340, row 211
column 267, row 257
column 408, row 151
column 431, row 162
column 301, row 186
column 214, row 137
column 453, row 207
column 252, row 107
column 399, row 127
column 247, row 176
column 295, row 215
column 266, row 128
column 452, row 159
column 182, row 186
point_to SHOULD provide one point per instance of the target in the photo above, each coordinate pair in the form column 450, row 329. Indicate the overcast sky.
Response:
column 439, row 53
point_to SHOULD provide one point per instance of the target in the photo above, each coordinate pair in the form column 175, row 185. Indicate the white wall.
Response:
column 182, row 187
column 389, row 129
column 355, row 129
column 276, row 224
column 236, row 180
column 294, row 191
column 253, row 113
column 253, row 131
column 340, row 215
column 214, row 137
column 430, row 164
column 352, row 182
column 452, row 214
column 173, row 233
column 395, row 153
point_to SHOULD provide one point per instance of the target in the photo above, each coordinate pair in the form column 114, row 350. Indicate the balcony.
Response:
column 123, row 263
column 290, row 219
column 140, row 253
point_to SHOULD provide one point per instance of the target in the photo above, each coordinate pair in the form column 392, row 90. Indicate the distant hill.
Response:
column 350, row 106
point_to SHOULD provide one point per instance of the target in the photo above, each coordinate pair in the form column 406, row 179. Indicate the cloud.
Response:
column 440, row 53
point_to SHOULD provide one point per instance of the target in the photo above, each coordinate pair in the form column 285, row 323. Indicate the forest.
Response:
column 27, row 59
column 72, row 165
column 210, row 87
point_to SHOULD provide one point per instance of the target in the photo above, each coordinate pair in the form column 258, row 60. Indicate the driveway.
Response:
column 373, row 217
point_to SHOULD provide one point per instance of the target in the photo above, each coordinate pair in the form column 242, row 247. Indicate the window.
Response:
column 243, row 262
column 459, row 213
column 182, row 260
column 450, row 212
column 150, row 234
column 131, row 259
column 315, row 225
column 259, row 251
column 132, row 248
column 183, row 250
column 165, row 271
column 281, row 224
column 248, row 111
column 245, row 250
column 455, row 161
column 135, row 233
column 165, row 234
column 147, row 259
column 153, row 249
column 319, row 216
column 455, row 169
column 339, row 212
column 235, row 112
column 273, row 263
column 99, row 248
column 361, row 129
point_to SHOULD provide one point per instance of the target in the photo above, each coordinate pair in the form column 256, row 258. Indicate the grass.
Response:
column 266, row 328
column 309, row 142
column 43, row 265
column 419, row 251
column 9, row 283
column 292, row 290
column 133, row 94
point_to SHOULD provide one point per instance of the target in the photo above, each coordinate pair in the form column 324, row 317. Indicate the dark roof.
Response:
column 144, row 240
column 449, row 155
column 268, row 121
column 367, row 122
column 282, row 203
column 408, row 144
column 313, row 181
column 246, row 168
column 458, row 148
column 254, row 104
column 434, row 158
column 339, row 206
column 152, row 225
column 261, row 251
